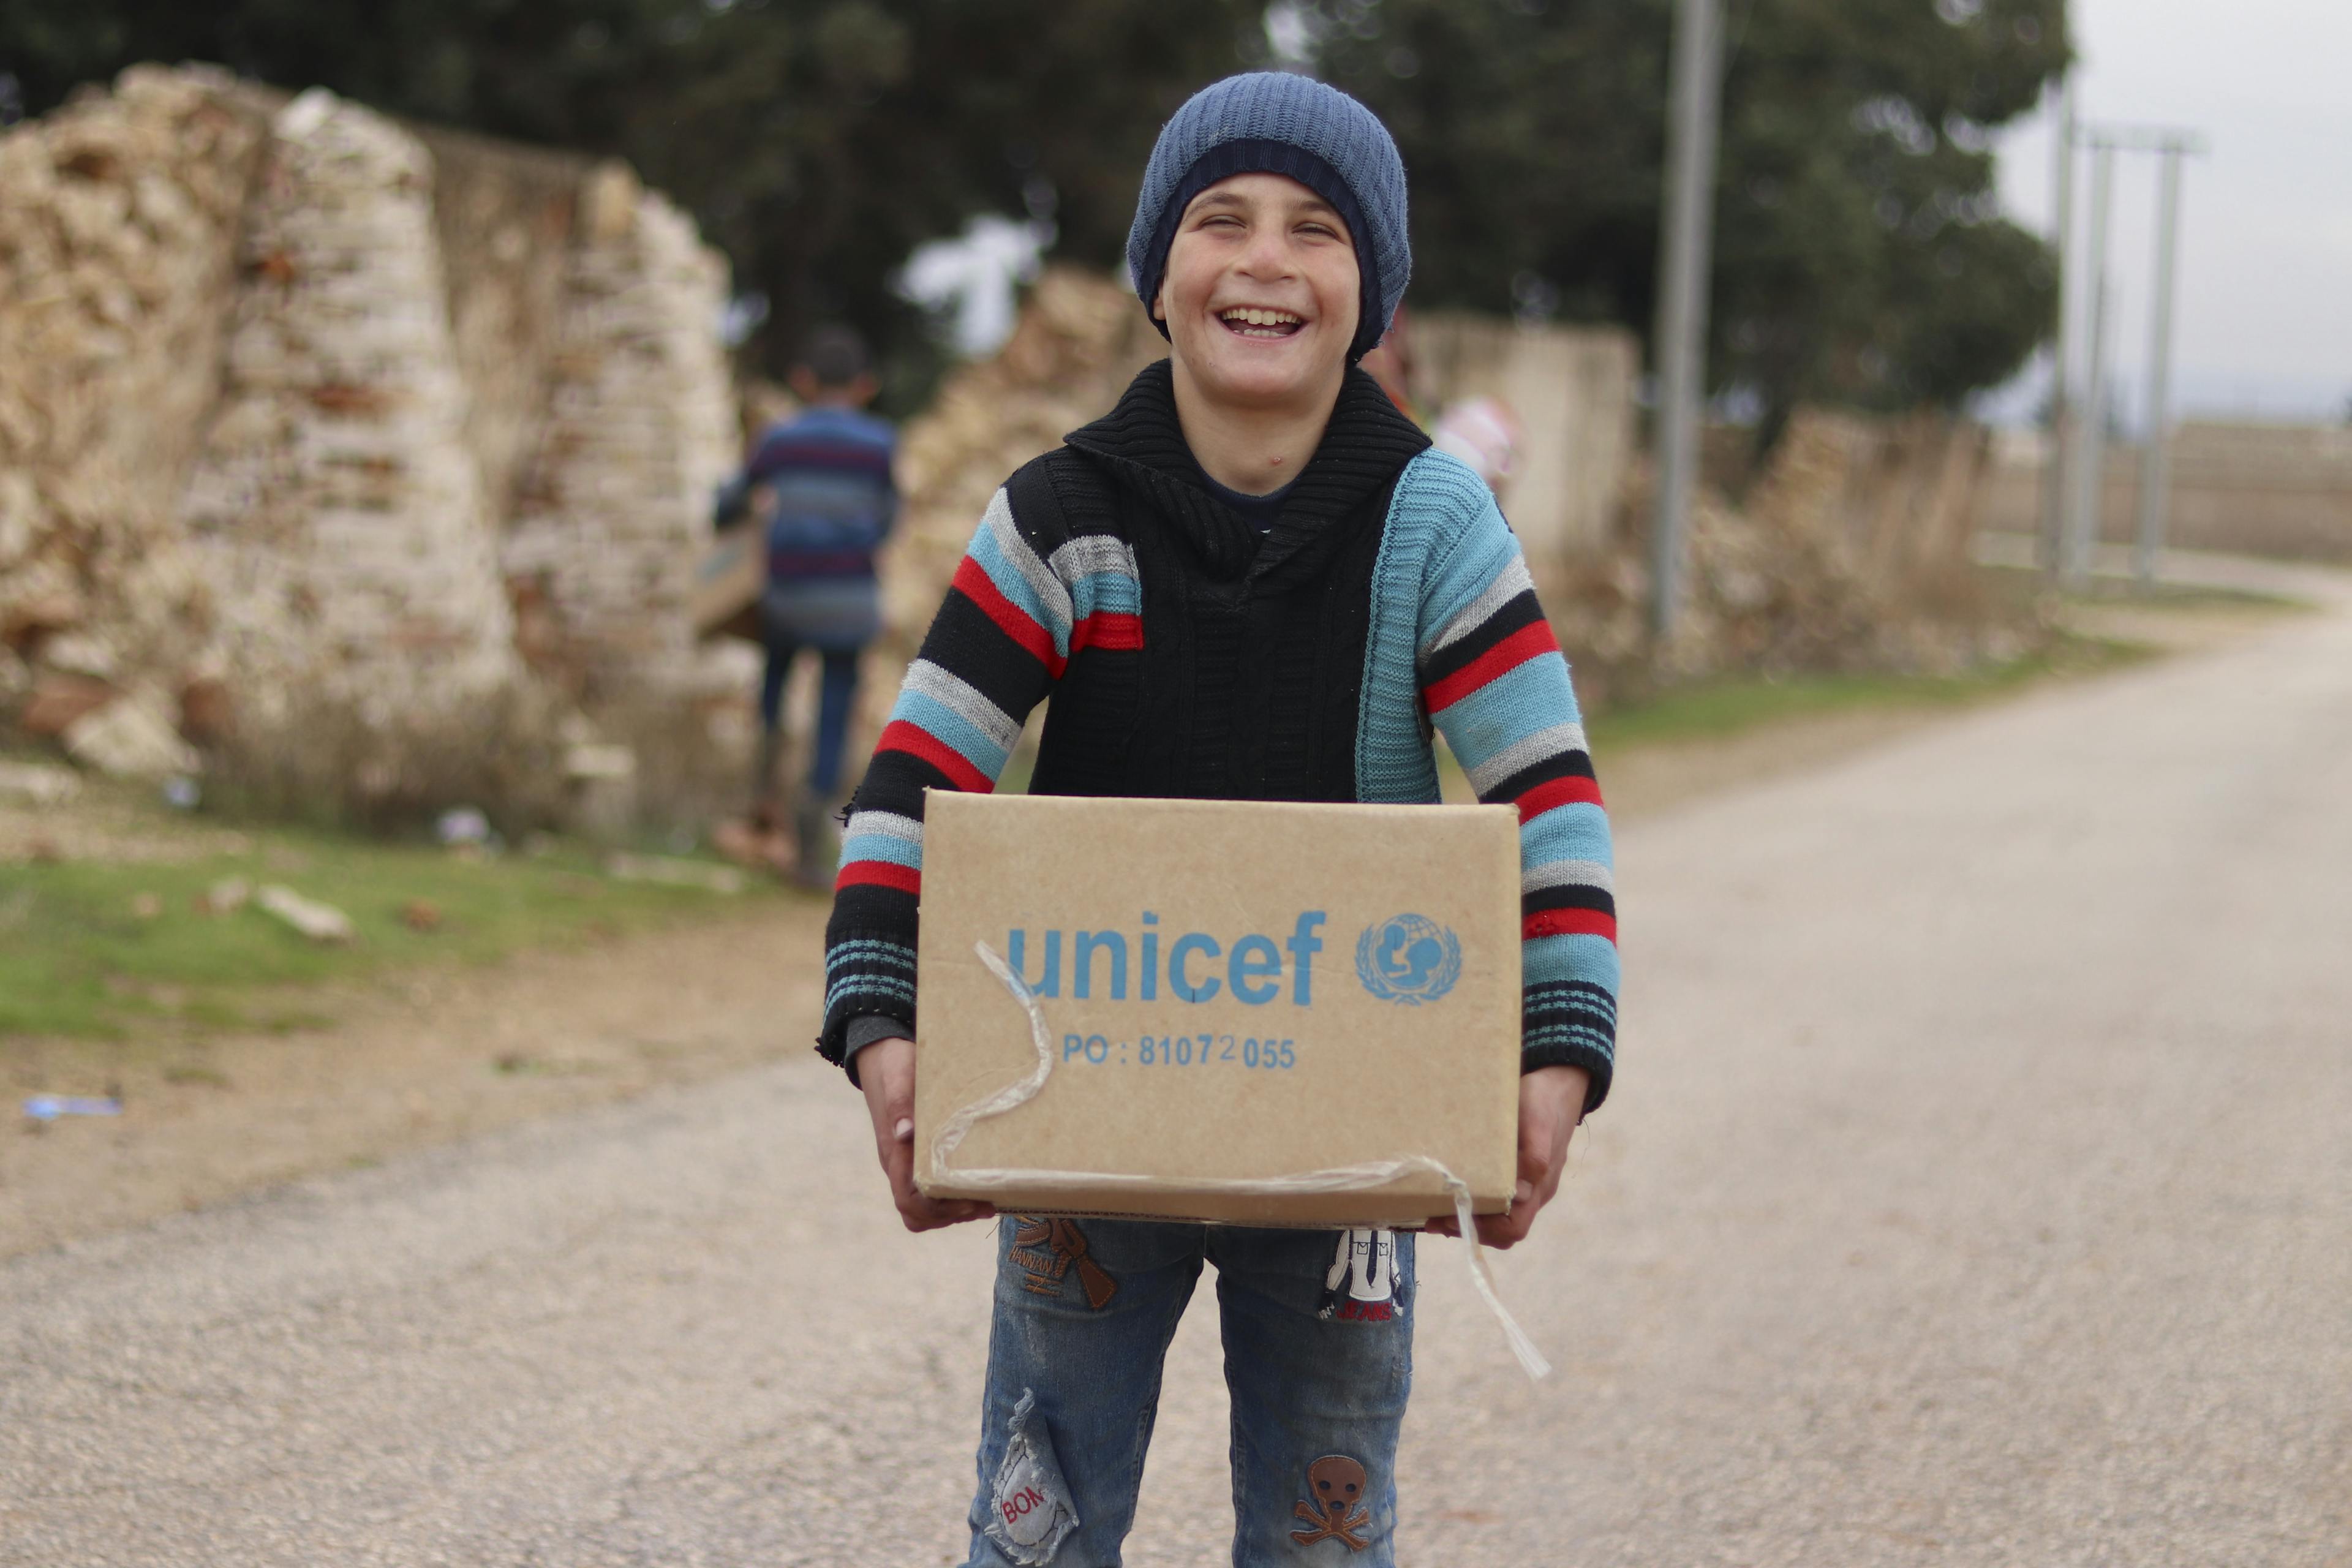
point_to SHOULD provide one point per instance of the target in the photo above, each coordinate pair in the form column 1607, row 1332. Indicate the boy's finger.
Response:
column 1503, row 1231
column 921, row 1213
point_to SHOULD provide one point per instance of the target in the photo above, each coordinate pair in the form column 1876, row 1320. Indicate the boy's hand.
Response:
column 1551, row 1104
column 886, row 1071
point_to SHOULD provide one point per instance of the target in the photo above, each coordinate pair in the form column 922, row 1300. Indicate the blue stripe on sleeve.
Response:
column 1535, row 696
column 882, row 847
column 937, row 719
column 1577, row 831
column 1106, row 593
column 1549, row 960
column 1014, row 586
column 1464, row 576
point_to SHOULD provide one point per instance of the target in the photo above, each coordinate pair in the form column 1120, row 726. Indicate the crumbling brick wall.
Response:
column 294, row 399
column 640, row 428
column 337, row 505
column 119, row 222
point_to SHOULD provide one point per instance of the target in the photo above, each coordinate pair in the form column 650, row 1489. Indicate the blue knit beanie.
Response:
column 1278, row 123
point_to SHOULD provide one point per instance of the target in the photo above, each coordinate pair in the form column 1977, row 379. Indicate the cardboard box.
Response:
column 729, row 581
column 1232, row 991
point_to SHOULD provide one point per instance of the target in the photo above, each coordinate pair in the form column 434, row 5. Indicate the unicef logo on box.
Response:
column 1409, row 959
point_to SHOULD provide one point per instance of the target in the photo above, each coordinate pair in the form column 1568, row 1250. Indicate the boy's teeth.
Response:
column 1253, row 318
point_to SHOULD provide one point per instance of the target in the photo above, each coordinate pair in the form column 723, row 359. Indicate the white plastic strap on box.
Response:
column 1363, row 1177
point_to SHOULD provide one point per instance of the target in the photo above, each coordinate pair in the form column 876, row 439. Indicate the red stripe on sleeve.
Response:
column 1106, row 630
column 972, row 580
column 1530, row 641
column 879, row 874
column 1568, row 922
column 904, row 735
column 1552, row 793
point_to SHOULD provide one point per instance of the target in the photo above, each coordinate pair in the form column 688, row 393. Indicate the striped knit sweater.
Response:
column 1188, row 654
column 829, row 469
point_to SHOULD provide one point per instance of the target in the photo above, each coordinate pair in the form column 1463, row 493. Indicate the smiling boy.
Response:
column 1253, row 580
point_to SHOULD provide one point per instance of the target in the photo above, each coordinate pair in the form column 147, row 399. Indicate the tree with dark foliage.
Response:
column 1858, row 256
column 817, row 141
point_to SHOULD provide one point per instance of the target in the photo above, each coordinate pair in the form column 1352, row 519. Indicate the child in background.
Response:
column 828, row 470
column 1253, row 580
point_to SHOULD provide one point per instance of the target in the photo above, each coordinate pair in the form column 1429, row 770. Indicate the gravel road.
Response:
column 1978, row 1189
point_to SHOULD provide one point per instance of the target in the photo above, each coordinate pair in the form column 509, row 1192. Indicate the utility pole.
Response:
column 1685, row 251
column 2051, row 543
column 2087, row 456
column 2090, row 460
column 2156, row 458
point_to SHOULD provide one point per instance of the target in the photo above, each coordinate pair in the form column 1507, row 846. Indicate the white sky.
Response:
column 2264, row 316
column 974, row 276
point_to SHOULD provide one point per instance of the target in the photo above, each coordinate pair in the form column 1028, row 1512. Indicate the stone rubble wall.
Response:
column 298, row 404
column 504, row 217
column 640, row 429
column 118, row 221
column 338, row 506
column 1849, row 550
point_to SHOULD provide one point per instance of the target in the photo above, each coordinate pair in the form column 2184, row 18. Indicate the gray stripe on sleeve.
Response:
column 1569, row 874
column 960, row 697
column 1508, row 584
column 1091, row 554
column 1550, row 742
column 1040, row 577
column 886, row 824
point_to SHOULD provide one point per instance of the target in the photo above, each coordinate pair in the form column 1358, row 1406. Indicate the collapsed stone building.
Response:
column 316, row 428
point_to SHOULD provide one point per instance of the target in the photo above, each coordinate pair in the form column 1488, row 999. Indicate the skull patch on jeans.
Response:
column 1338, row 1511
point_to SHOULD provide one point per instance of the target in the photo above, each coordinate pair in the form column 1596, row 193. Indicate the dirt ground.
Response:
column 430, row 1057
column 419, row 1059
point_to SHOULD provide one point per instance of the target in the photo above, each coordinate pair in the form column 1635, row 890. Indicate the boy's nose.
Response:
column 1268, row 253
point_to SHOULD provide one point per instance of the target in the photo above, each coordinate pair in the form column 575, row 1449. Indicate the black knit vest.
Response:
column 1247, row 685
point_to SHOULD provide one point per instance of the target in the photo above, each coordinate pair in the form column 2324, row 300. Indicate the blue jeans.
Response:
column 1318, row 1334
column 835, row 687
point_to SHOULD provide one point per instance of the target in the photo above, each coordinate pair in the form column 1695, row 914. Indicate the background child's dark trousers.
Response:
column 836, row 690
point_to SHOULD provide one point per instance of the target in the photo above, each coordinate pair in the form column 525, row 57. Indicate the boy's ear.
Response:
column 1159, row 304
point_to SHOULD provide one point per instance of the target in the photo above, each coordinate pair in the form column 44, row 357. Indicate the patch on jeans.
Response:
column 1047, row 1250
column 1339, row 1511
column 1030, row 1511
column 1361, row 1285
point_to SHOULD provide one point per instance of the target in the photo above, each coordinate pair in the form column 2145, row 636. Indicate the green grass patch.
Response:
column 2023, row 581
column 1713, row 710
column 120, row 952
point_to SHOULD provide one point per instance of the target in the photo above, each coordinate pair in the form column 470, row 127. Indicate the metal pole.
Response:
column 2051, row 544
column 2156, row 458
column 2090, row 454
column 1682, row 292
